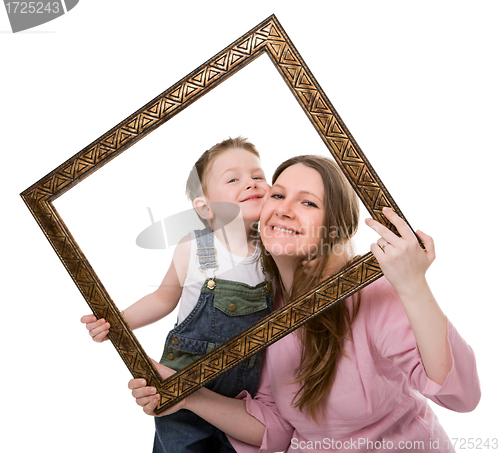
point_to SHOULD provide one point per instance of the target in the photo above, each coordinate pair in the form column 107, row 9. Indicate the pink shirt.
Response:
column 376, row 401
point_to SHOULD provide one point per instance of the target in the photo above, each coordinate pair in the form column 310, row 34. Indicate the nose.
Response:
column 285, row 209
column 251, row 184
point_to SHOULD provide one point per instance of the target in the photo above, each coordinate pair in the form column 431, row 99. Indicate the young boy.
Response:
column 216, row 274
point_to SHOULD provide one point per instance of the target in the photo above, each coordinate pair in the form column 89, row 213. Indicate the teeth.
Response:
column 283, row 229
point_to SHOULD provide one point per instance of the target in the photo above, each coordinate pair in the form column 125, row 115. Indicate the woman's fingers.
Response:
column 140, row 390
column 151, row 406
column 148, row 403
column 134, row 384
column 145, row 400
column 387, row 235
column 164, row 371
column 403, row 228
column 428, row 244
column 143, row 392
column 382, row 230
column 307, row 265
column 377, row 251
column 146, row 397
column 382, row 243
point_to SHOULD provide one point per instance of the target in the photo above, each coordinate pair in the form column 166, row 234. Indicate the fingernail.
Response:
column 152, row 390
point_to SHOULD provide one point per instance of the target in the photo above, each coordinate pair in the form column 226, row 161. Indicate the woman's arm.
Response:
column 429, row 325
column 227, row 414
column 404, row 264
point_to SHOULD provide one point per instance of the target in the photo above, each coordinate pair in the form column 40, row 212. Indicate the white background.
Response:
column 415, row 82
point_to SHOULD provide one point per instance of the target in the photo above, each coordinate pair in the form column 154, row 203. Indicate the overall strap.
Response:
column 206, row 252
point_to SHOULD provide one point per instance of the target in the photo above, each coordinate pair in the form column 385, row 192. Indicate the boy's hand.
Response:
column 98, row 329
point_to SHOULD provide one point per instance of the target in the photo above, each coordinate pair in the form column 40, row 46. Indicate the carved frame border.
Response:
column 270, row 38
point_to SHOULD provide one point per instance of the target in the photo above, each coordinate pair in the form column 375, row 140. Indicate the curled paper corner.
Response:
column 25, row 15
column 70, row 4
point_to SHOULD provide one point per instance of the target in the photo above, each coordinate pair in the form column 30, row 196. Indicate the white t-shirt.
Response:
column 231, row 267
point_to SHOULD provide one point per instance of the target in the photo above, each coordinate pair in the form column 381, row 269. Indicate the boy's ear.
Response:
column 201, row 207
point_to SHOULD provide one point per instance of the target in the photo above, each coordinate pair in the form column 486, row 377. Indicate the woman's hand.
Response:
column 402, row 260
column 147, row 397
column 98, row 329
column 228, row 414
column 404, row 264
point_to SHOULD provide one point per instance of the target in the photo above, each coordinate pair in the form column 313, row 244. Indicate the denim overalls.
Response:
column 220, row 313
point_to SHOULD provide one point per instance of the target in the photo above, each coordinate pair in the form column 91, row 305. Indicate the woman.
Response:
column 353, row 378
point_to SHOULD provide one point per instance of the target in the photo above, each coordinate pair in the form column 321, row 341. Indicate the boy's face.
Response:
column 236, row 176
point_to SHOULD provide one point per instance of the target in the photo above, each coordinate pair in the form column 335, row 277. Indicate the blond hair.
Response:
column 197, row 181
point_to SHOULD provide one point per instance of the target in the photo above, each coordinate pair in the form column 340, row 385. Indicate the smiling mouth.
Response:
column 252, row 198
column 284, row 230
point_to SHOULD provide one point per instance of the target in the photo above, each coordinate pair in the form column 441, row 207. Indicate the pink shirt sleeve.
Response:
column 394, row 339
column 278, row 431
column 384, row 348
column 461, row 391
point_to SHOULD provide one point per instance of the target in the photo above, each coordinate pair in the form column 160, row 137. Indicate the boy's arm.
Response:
column 154, row 306
column 163, row 301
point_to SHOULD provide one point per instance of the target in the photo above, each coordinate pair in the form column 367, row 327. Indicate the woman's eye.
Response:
column 277, row 196
column 310, row 204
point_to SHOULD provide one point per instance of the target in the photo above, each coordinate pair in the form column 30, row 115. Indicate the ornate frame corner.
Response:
column 268, row 38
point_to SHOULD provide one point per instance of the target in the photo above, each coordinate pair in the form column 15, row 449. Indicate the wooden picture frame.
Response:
column 268, row 38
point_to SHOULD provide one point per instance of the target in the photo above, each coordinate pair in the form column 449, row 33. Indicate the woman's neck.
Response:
column 286, row 267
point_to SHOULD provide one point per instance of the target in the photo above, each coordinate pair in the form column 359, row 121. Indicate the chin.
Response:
column 251, row 215
column 281, row 249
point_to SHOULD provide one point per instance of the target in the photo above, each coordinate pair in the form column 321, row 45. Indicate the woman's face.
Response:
column 291, row 221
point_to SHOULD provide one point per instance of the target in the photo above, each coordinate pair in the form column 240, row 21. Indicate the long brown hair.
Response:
column 323, row 337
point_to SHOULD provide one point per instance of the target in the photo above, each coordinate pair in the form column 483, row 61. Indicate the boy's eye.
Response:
column 233, row 180
column 259, row 177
